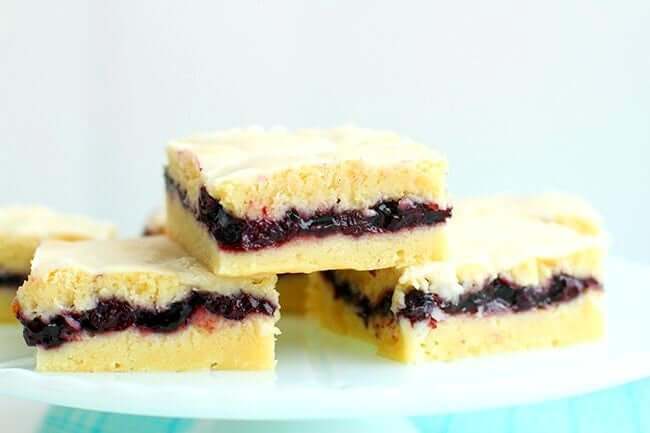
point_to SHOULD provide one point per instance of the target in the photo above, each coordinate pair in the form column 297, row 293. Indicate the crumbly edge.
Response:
column 230, row 345
column 462, row 336
column 74, row 290
column 340, row 186
column 306, row 255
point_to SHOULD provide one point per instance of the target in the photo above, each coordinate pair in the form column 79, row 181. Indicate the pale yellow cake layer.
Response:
column 147, row 272
column 462, row 336
column 257, row 172
column 293, row 293
column 234, row 345
column 309, row 254
column 23, row 228
column 6, row 297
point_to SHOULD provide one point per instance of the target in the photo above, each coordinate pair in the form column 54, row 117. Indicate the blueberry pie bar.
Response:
column 517, row 278
column 143, row 305
column 255, row 201
column 22, row 229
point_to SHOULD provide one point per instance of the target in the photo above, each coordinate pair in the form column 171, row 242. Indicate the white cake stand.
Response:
column 320, row 375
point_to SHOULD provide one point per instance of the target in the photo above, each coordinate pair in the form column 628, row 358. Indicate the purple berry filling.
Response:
column 116, row 315
column 497, row 296
column 11, row 279
column 240, row 234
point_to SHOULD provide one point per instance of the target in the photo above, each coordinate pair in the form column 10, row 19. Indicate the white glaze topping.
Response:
column 252, row 152
column 258, row 172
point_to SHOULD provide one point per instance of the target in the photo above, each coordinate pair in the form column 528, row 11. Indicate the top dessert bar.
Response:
column 23, row 228
column 255, row 201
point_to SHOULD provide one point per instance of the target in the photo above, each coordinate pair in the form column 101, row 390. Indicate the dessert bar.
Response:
column 271, row 201
column 516, row 279
column 22, row 229
column 142, row 305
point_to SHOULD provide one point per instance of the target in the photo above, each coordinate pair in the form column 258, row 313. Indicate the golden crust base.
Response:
column 463, row 336
column 307, row 255
column 231, row 345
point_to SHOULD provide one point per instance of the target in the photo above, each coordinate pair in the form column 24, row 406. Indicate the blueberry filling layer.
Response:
column 11, row 279
column 117, row 315
column 497, row 296
column 240, row 234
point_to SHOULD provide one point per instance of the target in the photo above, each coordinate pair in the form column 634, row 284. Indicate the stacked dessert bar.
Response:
column 353, row 226
column 253, row 201
column 143, row 304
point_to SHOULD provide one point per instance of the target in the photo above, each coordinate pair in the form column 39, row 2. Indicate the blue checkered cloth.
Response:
column 625, row 409
column 63, row 420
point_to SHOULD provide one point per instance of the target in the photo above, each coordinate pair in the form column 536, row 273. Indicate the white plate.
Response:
column 320, row 375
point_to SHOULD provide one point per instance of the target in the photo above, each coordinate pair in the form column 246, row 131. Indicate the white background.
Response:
column 521, row 96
